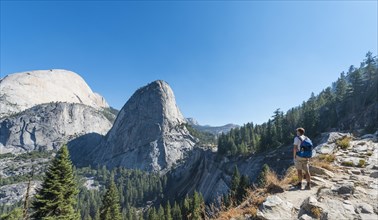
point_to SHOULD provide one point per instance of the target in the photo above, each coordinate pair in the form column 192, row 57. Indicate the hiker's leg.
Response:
column 300, row 175
column 308, row 176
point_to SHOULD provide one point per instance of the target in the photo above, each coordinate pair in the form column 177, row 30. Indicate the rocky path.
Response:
column 349, row 192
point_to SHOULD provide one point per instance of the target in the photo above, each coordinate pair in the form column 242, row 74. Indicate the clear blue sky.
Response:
column 226, row 61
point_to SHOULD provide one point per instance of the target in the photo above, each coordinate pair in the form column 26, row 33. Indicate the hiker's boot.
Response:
column 308, row 186
column 298, row 185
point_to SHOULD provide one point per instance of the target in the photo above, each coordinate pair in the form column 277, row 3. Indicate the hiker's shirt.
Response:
column 298, row 142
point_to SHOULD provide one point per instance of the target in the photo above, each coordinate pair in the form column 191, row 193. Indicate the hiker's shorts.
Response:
column 301, row 163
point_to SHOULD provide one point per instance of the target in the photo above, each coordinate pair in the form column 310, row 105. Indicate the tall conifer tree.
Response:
column 57, row 197
column 110, row 209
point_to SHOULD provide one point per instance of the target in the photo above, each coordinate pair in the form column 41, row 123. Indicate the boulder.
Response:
column 365, row 208
column 374, row 174
column 332, row 137
column 325, row 148
column 305, row 217
column 275, row 208
column 320, row 171
column 344, row 188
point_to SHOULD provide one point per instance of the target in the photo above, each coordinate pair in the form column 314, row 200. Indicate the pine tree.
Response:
column 176, row 212
column 235, row 181
column 152, row 215
column 242, row 189
column 57, row 197
column 97, row 215
column 161, row 213
column 186, row 207
column 110, row 209
column 15, row 214
column 261, row 179
column 168, row 212
column 196, row 206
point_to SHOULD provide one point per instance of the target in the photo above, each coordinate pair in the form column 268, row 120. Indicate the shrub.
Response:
column 327, row 157
column 347, row 163
column 291, row 176
column 361, row 163
column 316, row 212
column 251, row 211
column 343, row 143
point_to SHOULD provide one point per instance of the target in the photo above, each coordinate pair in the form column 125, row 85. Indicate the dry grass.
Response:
column 291, row 176
column 327, row 157
column 230, row 213
column 250, row 206
column 257, row 196
column 324, row 161
column 316, row 212
column 250, row 211
column 344, row 143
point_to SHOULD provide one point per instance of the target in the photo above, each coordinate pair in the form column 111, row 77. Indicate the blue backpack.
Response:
column 306, row 148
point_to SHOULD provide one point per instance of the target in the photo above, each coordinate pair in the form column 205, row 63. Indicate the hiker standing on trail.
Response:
column 301, row 162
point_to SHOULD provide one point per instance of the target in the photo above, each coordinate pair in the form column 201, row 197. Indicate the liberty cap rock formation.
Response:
column 149, row 132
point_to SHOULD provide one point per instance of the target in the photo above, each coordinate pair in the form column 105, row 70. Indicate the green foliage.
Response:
column 235, row 181
column 242, row 189
column 152, row 214
column 18, row 179
column 57, row 197
column 343, row 143
column 110, row 209
column 261, row 179
column 15, row 214
column 110, row 113
column 338, row 106
column 32, row 155
column 176, row 212
column 161, row 214
column 361, row 163
column 168, row 212
column 205, row 138
column 239, row 185
column 134, row 188
column 6, row 155
column 348, row 163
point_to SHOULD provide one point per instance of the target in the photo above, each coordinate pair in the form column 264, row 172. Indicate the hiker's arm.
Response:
column 295, row 151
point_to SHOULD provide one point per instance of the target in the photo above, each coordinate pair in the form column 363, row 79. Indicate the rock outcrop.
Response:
column 24, row 90
column 148, row 134
column 349, row 191
column 48, row 126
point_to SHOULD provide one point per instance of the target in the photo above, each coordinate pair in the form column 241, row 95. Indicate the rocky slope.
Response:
column 350, row 191
column 148, row 134
column 48, row 126
column 24, row 90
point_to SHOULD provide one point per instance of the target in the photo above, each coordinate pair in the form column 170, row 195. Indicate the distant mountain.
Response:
column 215, row 130
column 149, row 133
column 20, row 91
